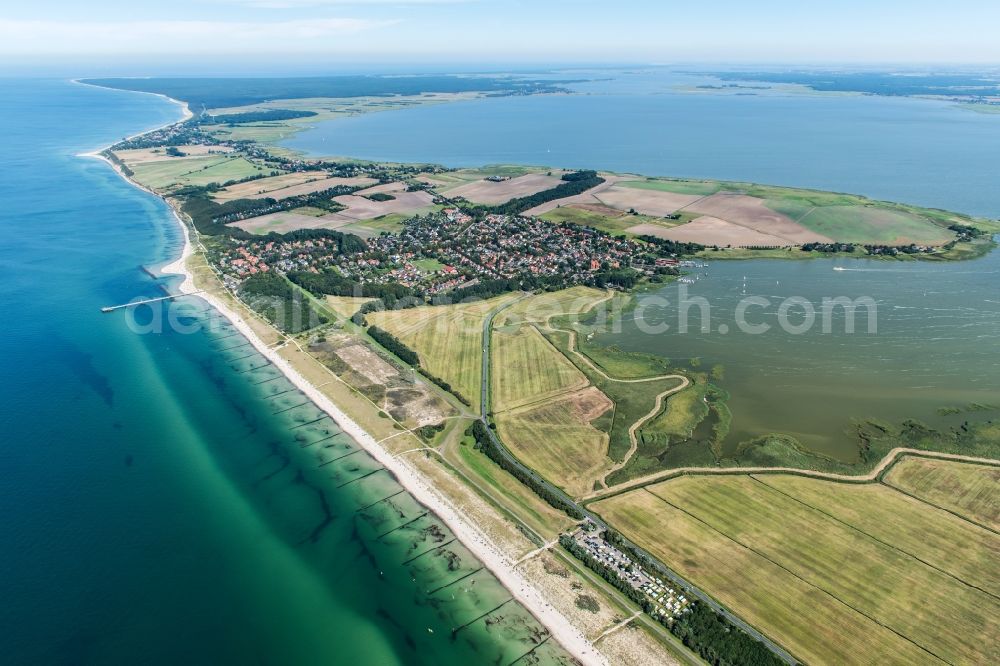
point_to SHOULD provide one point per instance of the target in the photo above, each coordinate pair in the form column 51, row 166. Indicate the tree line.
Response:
column 489, row 446
column 329, row 282
column 705, row 632
column 277, row 300
column 573, row 183
column 394, row 345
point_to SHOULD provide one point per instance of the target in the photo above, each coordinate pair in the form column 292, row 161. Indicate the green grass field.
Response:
column 165, row 174
column 611, row 224
column 615, row 225
column 967, row 490
column 835, row 573
column 448, row 339
column 865, row 224
column 428, row 265
column 392, row 223
column 676, row 186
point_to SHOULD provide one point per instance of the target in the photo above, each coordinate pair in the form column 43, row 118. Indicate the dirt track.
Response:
column 870, row 477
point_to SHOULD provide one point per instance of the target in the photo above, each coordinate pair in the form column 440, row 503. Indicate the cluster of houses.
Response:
column 666, row 601
column 462, row 250
column 243, row 258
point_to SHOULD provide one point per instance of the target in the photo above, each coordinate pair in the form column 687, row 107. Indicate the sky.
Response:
column 348, row 34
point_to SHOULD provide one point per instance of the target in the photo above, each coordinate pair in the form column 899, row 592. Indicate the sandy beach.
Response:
column 571, row 638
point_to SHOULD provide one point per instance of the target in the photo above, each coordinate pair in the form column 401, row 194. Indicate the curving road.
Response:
column 634, row 428
column 870, row 477
column 663, row 570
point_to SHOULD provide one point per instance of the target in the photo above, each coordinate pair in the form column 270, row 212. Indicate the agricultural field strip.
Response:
column 657, row 407
column 889, row 459
column 987, row 544
column 960, row 476
column 538, row 399
column 802, row 619
column 797, row 217
column 557, row 443
column 791, row 573
column 941, row 622
column 534, row 370
column 448, row 339
column 928, row 502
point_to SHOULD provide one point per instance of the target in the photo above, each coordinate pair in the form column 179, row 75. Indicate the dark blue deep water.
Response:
column 155, row 507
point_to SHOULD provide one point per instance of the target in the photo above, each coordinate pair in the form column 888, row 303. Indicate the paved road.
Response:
column 663, row 570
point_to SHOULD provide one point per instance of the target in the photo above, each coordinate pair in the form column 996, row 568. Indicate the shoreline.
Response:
column 562, row 630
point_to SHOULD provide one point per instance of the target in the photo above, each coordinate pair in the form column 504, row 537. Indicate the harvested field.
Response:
column 194, row 171
column 357, row 207
column 490, row 192
column 971, row 491
column 256, row 188
column 588, row 197
column 657, row 203
column 865, row 571
column 610, row 220
column 599, row 209
column 385, row 188
column 139, row 155
column 752, row 213
column 448, row 339
column 346, row 306
column 527, row 369
column 284, row 222
column 556, row 439
column 287, row 185
column 813, row 626
column 708, row 230
column 931, row 535
column 541, row 307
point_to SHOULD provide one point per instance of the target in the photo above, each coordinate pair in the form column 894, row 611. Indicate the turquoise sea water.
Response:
column 163, row 500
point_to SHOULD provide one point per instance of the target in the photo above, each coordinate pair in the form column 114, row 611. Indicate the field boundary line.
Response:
column 871, row 536
column 573, row 346
column 938, row 506
column 871, row 477
column 793, row 574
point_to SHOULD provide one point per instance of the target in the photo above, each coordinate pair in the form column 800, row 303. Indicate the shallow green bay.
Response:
column 934, row 345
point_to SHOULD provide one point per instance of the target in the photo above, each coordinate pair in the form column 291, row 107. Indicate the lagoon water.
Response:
column 650, row 122
column 923, row 339
column 161, row 494
column 938, row 324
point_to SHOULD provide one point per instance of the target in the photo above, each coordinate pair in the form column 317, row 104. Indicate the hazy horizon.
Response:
column 319, row 36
